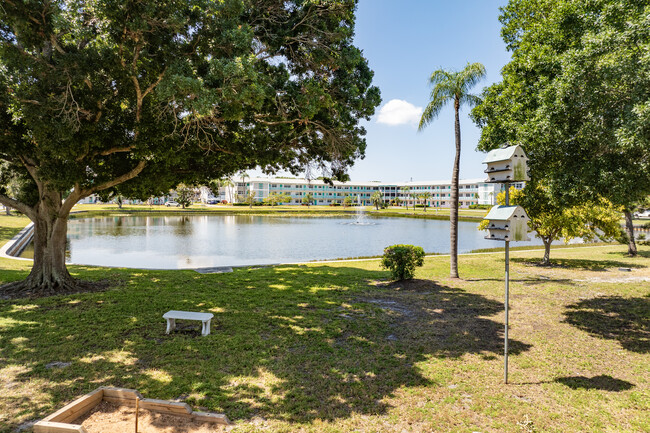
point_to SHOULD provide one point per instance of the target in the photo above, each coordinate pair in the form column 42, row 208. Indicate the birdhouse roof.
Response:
column 504, row 213
column 504, row 154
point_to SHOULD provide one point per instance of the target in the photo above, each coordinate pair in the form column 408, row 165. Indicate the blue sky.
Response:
column 404, row 41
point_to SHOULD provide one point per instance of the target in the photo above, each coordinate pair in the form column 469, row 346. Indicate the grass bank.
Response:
column 336, row 348
column 286, row 210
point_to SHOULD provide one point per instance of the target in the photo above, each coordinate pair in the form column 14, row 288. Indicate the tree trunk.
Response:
column 453, row 210
column 547, row 251
column 49, row 274
column 629, row 229
column 7, row 210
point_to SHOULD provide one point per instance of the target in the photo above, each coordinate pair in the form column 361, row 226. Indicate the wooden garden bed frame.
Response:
column 59, row 421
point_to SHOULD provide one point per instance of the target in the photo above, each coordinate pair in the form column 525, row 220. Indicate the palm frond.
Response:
column 439, row 76
column 471, row 75
column 450, row 85
column 440, row 96
column 430, row 113
column 470, row 100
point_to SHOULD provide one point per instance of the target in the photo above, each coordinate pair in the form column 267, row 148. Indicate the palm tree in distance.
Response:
column 243, row 176
column 452, row 87
column 406, row 192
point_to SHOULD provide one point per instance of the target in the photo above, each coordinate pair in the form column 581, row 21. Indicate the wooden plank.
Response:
column 57, row 427
column 77, row 408
column 121, row 393
column 120, row 401
column 164, row 406
column 211, row 417
column 84, row 405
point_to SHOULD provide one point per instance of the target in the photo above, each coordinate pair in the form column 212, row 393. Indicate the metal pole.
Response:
column 505, row 337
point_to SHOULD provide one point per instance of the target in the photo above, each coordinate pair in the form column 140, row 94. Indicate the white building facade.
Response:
column 471, row 191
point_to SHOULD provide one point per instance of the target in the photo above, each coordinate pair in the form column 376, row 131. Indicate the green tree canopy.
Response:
column 553, row 221
column 185, row 195
column 139, row 96
column 576, row 94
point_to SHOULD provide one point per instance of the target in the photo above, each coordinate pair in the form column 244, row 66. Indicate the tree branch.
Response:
column 115, row 150
column 21, row 207
column 111, row 183
column 153, row 85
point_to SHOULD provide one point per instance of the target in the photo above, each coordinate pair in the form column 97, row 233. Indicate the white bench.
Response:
column 172, row 315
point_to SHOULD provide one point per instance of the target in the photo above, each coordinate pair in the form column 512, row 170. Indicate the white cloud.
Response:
column 399, row 112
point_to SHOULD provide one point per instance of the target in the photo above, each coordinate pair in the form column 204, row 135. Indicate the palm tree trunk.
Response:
column 453, row 210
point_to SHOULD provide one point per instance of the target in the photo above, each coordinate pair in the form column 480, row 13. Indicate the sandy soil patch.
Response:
column 112, row 418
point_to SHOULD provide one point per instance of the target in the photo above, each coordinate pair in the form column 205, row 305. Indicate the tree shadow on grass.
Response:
column 640, row 253
column 291, row 343
column 602, row 382
column 626, row 320
column 581, row 264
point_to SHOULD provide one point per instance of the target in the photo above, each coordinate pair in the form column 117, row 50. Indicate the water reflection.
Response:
column 191, row 241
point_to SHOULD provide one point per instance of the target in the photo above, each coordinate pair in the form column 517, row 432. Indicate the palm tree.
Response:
column 425, row 196
column 452, row 87
column 377, row 198
column 307, row 199
column 406, row 192
column 243, row 176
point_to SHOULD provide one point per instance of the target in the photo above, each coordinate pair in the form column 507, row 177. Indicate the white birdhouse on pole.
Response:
column 507, row 223
column 509, row 164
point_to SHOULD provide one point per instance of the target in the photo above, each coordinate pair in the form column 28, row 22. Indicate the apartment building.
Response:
column 471, row 191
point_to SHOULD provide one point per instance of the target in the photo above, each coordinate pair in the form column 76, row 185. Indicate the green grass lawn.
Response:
column 336, row 348
column 10, row 226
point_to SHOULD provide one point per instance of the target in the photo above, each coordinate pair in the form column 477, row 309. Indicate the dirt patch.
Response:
column 616, row 280
column 415, row 285
column 112, row 418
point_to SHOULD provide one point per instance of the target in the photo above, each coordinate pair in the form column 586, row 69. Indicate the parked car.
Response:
column 642, row 214
column 213, row 201
column 172, row 203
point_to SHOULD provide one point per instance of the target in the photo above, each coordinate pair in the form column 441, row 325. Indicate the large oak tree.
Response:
column 134, row 97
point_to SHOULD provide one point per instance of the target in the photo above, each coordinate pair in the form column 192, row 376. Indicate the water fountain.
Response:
column 361, row 217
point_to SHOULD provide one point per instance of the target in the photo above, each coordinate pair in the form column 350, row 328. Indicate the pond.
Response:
column 195, row 241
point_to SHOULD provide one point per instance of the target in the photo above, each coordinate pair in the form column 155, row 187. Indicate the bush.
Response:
column 335, row 204
column 480, row 206
column 224, row 201
column 401, row 260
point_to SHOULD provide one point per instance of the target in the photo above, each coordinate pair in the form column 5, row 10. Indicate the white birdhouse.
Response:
column 509, row 164
column 507, row 223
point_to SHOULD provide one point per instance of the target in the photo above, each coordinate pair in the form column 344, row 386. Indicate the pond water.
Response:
column 194, row 241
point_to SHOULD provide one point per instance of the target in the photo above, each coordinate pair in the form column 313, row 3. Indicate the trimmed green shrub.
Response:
column 480, row 206
column 401, row 260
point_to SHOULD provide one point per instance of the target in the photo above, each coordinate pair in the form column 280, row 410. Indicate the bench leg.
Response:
column 206, row 328
column 171, row 325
